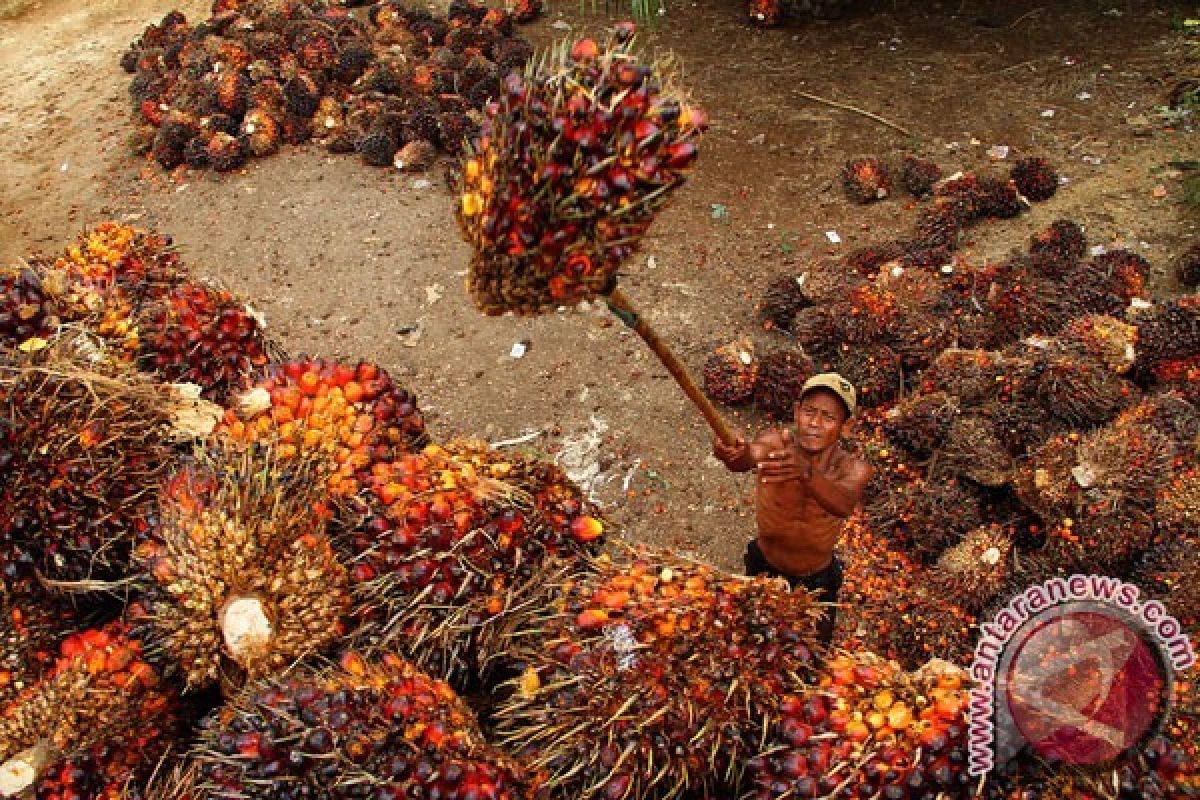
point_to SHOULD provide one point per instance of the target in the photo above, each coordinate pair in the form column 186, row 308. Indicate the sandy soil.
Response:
column 351, row 261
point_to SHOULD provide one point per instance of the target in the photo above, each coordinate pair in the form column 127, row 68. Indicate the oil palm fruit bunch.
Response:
column 765, row 13
column 1043, row 481
column 140, row 264
column 83, row 449
column 575, row 160
column 874, row 369
column 866, row 180
column 1034, row 178
column 1123, row 465
column 783, row 297
column 1187, row 269
column 238, row 576
column 100, row 698
column 921, row 422
column 973, row 450
column 354, row 415
column 918, row 175
column 1178, row 503
column 731, row 372
column 454, row 542
column 651, row 676
column 1169, row 413
column 1109, row 282
column 1081, row 391
column 1168, row 331
column 940, row 223
column 924, row 624
column 781, row 376
column 1056, row 249
column 973, row 571
column 868, row 729
column 925, row 516
column 1101, row 339
column 971, row 377
column 1099, row 539
column 1026, row 302
column 360, row 729
column 31, row 632
column 1172, row 571
column 203, row 335
column 868, row 260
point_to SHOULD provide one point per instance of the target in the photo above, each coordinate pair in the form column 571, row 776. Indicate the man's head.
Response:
column 826, row 403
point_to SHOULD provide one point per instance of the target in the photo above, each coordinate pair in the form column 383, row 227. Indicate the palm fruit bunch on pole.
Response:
column 238, row 578
column 575, row 160
column 352, row 415
column 376, row 729
column 868, row 729
column 650, row 676
column 454, row 542
column 101, row 709
column 82, row 449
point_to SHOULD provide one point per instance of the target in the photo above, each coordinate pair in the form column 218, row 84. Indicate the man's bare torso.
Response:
column 796, row 534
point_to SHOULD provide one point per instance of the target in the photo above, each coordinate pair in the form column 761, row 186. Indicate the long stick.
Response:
column 619, row 304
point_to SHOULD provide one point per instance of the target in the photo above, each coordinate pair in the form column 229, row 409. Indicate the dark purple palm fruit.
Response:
column 817, row 330
column 921, row 422
column 997, row 198
column 866, row 261
column 866, row 180
column 1034, row 178
column 783, row 298
column 918, row 175
column 874, row 369
column 938, row 225
column 1056, row 250
column 730, row 373
column 1187, row 272
column 225, row 152
column 781, row 376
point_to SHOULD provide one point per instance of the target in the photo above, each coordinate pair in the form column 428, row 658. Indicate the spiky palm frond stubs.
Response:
column 239, row 576
column 866, row 180
column 1104, row 542
column 921, row 422
column 30, row 633
column 918, row 175
column 202, row 335
column 925, row 517
column 655, row 675
column 973, row 571
column 100, row 692
column 1187, row 268
column 971, row 377
column 1056, row 250
column 1081, row 392
column 83, row 449
column 731, row 373
column 363, row 728
column 781, row 376
column 546, row 227
column 973, row 450
column 1101, row 339
column 1034, row 178
column 782, row 299
column 1169, row 413
column 455, row 542
column 1107, row 283
column 352, row 415
column 1168, row 331
column 872, row 730
column 874, row 369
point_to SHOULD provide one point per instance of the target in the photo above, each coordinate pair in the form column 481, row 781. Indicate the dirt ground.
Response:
column 351, row 261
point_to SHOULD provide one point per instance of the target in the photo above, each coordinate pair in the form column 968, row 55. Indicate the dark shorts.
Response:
column 825, row 585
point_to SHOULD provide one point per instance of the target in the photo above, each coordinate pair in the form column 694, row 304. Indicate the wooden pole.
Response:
column 619, row 304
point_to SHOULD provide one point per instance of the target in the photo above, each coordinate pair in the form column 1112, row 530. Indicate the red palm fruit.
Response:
column 238, row 576
column 1168, row 331
column 202, row 335
column 782, row 299
column 918, row 175
column 83, row 447
column 100, row 693
column 1034, row 178
column 31, row 632
column 730, row 373
column 866, row 180
column 323, row 732
column 1056, row 250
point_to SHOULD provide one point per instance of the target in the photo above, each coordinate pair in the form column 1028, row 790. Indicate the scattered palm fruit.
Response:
column 454, row 540
column 781, row 376
column 654, row 676
column 100, row 693
column 82, row 448
column 918, row 175
column 379, row 729
column 866, row 180
column 1057, row 249
column 870, row 730
column 239, row 568
column 353, row 415
column 202, row 335
column 782, row 299
column 974, row 571
column 1187, row 270
column 576, row 158
column 1034, row 178
column 731, row 372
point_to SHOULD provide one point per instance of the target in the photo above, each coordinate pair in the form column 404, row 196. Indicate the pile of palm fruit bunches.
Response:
column 392, row 83
column 1031, row 418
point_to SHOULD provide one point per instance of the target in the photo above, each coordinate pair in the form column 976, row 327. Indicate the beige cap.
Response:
column 834, row 383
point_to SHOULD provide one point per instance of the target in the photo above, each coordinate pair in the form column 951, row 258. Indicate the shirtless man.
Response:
column 807, row 487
